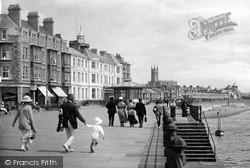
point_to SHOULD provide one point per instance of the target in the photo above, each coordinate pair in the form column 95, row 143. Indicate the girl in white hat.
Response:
column 97, row 130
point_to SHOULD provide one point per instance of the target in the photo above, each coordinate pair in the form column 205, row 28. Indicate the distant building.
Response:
column 126, row 68
column 31, row 59
column 91, row 72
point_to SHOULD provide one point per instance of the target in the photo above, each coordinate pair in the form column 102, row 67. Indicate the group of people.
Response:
column 127, row 112
column 68, row 115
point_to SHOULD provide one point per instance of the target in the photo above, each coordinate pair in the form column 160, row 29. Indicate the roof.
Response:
column 108, row 58
column 26, row 25
column 74, row 52
column 6, row 21
column 127, row 85
column 151, row 91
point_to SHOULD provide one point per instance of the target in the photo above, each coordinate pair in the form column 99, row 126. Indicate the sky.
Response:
column 154, row 33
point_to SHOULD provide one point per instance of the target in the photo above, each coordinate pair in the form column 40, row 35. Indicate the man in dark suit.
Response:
column 70, row 113
column 140, row 112
column 111, row 106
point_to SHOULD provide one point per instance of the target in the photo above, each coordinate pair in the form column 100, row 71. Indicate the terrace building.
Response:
column 33, row 60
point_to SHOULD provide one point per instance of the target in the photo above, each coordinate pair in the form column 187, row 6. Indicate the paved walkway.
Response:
column 123, row 147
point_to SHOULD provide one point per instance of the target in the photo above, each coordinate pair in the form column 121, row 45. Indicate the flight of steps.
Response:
column 198, row 148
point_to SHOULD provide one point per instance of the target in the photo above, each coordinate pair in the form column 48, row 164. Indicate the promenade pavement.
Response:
column 123, row 147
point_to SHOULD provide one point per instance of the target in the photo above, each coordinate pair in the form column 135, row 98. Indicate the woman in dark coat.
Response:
column 111, row 106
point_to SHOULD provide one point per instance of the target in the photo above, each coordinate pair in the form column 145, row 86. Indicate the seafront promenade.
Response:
column 123, row 147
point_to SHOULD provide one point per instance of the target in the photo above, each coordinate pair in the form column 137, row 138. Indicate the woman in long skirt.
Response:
column 131, row 113
column 121, row 106
column 26, row 124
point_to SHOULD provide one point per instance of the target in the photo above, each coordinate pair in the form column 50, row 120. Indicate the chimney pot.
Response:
column 14, row 13
column 48, row 25
column 33, row 20
column 93, row 50
column 103, row 53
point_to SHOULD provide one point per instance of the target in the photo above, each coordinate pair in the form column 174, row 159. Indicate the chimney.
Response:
column 48, row 25
column 93, row 50
column 14, row 13
column 33, row 20
column 103, row 53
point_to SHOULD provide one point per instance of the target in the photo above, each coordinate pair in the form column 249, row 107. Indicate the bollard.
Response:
column 170, row 129
column 179, row 151
column 174, row 149
column 166, row 120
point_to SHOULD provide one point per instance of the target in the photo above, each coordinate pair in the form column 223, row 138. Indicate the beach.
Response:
column 226, row 111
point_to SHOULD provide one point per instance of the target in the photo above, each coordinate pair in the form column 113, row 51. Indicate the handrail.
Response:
column 208, row 129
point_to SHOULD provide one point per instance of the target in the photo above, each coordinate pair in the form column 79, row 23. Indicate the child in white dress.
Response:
column 97, row 130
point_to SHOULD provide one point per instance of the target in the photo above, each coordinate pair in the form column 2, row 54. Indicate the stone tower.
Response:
column 154, row 75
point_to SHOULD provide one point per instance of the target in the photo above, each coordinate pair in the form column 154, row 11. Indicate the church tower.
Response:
column 154, row 75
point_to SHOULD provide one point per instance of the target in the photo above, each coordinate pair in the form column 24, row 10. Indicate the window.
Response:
column 101, row 79
column 79, row 61
column 82, row 63
column 36, row 73
column 93, row 93
column 86, row 78
column 79, row 77
column 5, row 52
column 97, row 95
column 93, row 65
column 86, row 92
column 74, row 61
column 82, row 77
column 82, row 93
column 6, row 72
column 105, row 80
column 97, row 76
column 74, row 76
column 43, row 74
column 74, row 91
column 101, row 67
column 86, row 64
column 93, row 78
column 79, row 93
column 118, row 80
column 118, row 69
column 105, row 67
column 4, row 34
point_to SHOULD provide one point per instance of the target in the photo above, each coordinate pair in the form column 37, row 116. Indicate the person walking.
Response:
column 158, row 110
column 121, row 106
column 111, row 106
column 131, row 113
column 96, row 131
column 26, row 122
column 140, row 112
column 70, row 113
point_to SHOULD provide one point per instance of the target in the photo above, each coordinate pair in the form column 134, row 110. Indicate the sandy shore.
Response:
column 226, row 111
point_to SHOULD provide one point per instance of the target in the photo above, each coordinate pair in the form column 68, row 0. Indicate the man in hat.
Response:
column 111, row 106
column 140, row 112
column 70, row 113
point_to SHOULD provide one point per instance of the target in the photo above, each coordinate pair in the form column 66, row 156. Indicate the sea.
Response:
column 233, row 149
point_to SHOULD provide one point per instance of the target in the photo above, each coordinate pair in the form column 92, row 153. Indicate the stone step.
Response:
column 201, row 159
column 200, row 151
column 190, row 130
column 192, row 133
column 197, row 140
column 199, row 148
column 186, row 137
column 198, row 144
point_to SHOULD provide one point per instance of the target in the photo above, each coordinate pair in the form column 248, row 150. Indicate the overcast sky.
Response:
column 155, row 33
